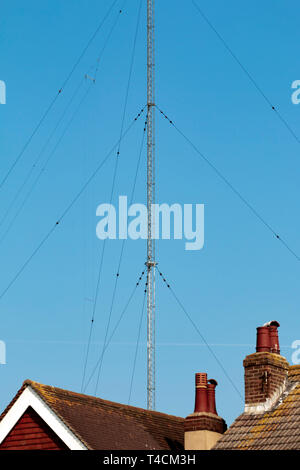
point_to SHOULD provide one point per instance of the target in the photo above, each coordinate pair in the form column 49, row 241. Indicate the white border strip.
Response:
column 30, row 398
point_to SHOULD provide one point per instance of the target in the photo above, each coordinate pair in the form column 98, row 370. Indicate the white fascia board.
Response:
column 30, row 398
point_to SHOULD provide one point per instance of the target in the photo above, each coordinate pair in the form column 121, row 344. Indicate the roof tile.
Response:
column 102, row 424
column 277, row 429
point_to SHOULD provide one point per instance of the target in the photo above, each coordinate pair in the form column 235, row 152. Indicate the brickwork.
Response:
column 32, row 433
column 265, row 374
column 204, row 422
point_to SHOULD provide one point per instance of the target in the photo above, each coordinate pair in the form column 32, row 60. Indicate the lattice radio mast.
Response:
column 150, row 263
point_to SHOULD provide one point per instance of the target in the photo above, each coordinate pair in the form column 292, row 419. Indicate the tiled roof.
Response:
column 102, row 424
column 277, row 429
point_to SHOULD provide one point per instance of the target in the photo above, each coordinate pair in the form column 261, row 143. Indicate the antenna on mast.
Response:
column 150, row 263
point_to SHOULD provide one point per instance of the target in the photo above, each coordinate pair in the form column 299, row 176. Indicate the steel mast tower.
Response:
column 150, row 263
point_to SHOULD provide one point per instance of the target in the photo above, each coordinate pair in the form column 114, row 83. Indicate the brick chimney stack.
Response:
column 265, row 371
column 203, row 428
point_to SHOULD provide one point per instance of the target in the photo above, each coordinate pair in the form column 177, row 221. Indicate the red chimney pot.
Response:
column 267, row 338
column 211, row 397
column 274, row 339
column 263, row 343
column 201, row 402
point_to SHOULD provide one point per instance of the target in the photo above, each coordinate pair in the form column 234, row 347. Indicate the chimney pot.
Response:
column 263, row 342
column 211, row 396
column 274, row 340
column 267, row 338
column 201, row 402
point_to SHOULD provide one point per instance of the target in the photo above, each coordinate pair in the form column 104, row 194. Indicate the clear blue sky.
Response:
column 242, row 278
